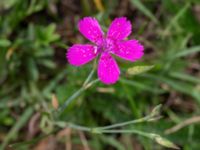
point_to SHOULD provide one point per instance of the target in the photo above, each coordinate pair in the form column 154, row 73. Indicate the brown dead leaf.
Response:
column 48, row 143
column 66, row 134
column 54, row 102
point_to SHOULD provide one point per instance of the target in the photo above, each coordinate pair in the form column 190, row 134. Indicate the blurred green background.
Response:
column 34, row 36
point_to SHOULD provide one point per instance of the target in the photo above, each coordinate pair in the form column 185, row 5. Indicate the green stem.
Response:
column 87, row 83
column 98, row 130
column 69, row 100
column 90, row 84
column 131, row 101
column 89, row 77
column 152, row 116
column 75, row 95
column 125, row 123
column 62, row 124
column 149, row 135
column 91, row 73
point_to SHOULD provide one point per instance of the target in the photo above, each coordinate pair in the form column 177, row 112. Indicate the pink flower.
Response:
column 105, row 45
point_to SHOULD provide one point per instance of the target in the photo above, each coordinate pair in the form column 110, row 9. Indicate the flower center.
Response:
column 107, row 45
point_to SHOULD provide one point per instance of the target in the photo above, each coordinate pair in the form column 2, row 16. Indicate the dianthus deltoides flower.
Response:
column 105, row 45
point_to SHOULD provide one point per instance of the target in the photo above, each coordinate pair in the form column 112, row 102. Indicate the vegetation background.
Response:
column 34, row 36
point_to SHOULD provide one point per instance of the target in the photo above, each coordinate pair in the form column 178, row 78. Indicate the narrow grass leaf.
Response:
column 141, row 86
column 177, row 85
column 185, row 77
column 15, row 129
column 175, row 19
column 4, row 43
column 187, row 51
column 112, row 141
column 28, row 143
column 139, row 5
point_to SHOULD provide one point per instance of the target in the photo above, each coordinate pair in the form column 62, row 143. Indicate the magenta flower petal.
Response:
column 119, row 29
column 108, row 70
column 91, row 29
column 80, row 54
column 130, row 50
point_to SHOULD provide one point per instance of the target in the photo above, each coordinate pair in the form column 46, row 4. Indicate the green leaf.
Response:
column 141, row 86
column 4, row 43
column 187, row 51
column 6, row 4
column 15, row 129
column 185, row 77
column 32, row 69
column 138, row 4
column 175, row 19
column 177, row 85
column 46, row 125
column 112, row 141
column 139, row 69
column 30, row 142
column 46, row 35
column 47, row 63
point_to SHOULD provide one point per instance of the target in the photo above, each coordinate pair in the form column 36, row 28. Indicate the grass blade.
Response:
column 175, row 19
column 185, row 77
column 139, row 5
column 141, row 86
column 187, row 51
column 19, row 124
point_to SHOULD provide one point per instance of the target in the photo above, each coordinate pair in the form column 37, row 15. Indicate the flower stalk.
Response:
column 87, row 84
column 110, row 129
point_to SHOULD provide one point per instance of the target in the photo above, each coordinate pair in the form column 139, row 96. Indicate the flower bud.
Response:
column 165, row 142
